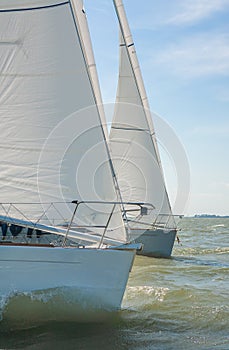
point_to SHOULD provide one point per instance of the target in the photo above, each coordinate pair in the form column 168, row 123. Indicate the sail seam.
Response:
column 35, row 8
column 132, row 129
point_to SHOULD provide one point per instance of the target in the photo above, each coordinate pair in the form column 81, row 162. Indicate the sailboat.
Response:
column 58, row 189
column 136, row 156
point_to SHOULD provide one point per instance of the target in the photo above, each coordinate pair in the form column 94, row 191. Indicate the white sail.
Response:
column 53, row 144
column 87, row 45
column 132, row 137
column 90, row 60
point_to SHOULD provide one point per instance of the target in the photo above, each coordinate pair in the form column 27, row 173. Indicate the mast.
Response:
column 128, row 41
column 80, row 14
column 83, row 29
column 128, row 53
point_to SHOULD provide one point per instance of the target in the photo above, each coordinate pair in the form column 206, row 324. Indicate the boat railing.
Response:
column 161, row 221
column 141, row 205
column 14, row 217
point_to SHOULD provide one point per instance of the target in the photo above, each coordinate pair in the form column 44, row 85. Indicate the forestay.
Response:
column 53, row 144
column 132, row 137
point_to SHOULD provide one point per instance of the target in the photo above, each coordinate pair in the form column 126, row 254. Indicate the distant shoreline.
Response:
column 210, row 216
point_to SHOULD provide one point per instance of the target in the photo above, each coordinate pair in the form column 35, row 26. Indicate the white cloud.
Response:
column 212, row 130
column 225, row 185
column 154, row 14
column 223, row 94
column 200, row 55
column 190, row 11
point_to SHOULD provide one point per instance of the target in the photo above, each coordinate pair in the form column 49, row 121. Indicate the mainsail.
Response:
column 53, row 143
column 132, row 138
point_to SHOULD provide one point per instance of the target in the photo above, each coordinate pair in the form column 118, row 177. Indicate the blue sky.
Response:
column 183, row 49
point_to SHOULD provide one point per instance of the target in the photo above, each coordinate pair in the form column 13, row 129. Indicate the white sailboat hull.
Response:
column 100, row 275
column 157, row 243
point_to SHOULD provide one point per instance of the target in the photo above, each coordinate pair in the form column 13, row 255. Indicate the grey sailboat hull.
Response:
column 157, row 243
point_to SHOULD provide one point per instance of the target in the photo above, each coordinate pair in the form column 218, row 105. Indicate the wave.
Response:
column 22, row 310
column 158, row 293
column 193, row 251
column 188, row 305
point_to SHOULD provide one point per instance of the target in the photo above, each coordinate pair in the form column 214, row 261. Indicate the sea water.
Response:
column 176, row 303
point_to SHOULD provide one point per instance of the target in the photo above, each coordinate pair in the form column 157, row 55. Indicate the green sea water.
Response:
column 177, row 303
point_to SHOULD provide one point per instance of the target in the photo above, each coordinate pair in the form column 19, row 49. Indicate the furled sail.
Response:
column 132, row 138
column 53, row 144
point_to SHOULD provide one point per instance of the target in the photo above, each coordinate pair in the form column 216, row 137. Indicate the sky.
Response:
column 183, row 49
